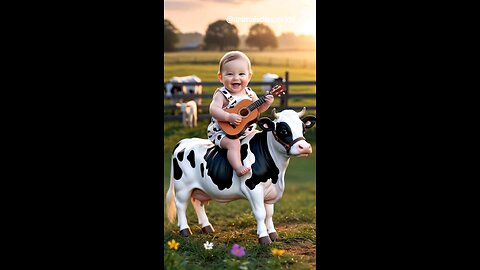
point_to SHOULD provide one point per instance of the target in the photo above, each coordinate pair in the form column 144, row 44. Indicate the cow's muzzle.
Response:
column 304, row 149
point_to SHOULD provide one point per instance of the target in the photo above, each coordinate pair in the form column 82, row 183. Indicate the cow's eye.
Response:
column 283, row 132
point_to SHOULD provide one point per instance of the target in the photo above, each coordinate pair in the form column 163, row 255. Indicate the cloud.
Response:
column 181, row 5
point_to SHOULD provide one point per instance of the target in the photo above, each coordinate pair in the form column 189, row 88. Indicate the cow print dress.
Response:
column 214, row 132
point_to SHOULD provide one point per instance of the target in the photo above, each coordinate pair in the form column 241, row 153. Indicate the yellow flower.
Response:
column 277, row 252
column 173, row 244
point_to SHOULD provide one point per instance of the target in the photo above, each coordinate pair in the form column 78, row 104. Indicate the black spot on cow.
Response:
column 176, row 89
column 219, row 137
column 180, row 155
column 191, row 158
column 219, row 169
column 243, row 152
column 177, row 171
column 264, row 167
column 202, row 170
column 284, row 132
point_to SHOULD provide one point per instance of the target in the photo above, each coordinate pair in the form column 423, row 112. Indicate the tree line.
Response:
column 222, row 35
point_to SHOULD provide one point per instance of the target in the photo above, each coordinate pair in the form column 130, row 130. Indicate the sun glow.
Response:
column 306, row 25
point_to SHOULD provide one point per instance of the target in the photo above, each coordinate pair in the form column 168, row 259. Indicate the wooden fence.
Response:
column 176, row 115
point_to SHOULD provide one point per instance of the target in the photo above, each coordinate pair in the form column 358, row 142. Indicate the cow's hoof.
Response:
column 264, row 240
column 186, row 232
column 208, row 229
column 273, row 236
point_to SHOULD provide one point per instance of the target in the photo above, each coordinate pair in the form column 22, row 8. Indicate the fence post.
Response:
column 284, row 98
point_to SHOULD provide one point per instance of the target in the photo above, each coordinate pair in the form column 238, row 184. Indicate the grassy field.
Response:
column 205, row 66
column 234, row 223
column 284, row 59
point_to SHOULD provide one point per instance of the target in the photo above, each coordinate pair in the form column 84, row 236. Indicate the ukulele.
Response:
column 247, row 110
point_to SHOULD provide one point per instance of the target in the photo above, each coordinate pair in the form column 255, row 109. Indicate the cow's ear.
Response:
column 266, row 124
column 309, row 121
column 178, row 104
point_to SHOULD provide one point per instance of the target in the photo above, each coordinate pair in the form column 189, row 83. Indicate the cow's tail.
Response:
column 171, row 208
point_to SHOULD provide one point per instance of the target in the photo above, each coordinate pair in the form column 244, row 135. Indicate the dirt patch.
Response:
column 304, row 249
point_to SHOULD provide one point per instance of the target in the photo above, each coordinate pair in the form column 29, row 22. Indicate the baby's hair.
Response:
column 234, row 55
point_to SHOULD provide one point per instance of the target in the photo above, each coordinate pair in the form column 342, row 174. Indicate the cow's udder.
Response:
column 198, row 194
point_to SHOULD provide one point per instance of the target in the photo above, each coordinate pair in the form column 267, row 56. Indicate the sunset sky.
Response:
column 296, row 16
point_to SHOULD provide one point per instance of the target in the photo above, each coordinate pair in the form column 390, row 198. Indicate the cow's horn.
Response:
column 301, row 113
column 274, row 113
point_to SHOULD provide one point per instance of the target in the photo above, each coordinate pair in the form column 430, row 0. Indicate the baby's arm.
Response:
column 218, row 113
column 266, row 105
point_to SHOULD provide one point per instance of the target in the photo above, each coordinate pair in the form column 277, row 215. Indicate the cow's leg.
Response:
column 256, row 201
column 202, row 216
column 181, row 201
column 269, row 222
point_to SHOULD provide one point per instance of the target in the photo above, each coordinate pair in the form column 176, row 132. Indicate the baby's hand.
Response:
column 234, row 118
column 269, row 99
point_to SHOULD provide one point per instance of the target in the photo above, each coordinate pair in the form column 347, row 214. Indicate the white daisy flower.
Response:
column 208, row 245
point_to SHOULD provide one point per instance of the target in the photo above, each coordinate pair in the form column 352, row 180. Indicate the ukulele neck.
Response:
column 256, row 104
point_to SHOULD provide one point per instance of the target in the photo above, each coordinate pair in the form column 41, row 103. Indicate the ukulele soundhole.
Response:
column 244, row 112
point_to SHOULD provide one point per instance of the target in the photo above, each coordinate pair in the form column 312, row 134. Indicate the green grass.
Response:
column 277, row 58
column 294, row 216
column 294, row 220
column 206, row 67
column 208, row 73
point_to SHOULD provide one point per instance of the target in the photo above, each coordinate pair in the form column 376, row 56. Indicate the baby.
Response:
column 234, row 72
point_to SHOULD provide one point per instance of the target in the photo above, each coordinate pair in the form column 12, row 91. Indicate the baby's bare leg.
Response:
column 233, row 155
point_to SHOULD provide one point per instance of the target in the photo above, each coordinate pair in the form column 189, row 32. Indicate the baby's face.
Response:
column 235, row 75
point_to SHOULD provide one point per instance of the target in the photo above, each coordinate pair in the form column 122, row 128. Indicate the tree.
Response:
column 170, row 36
column 261, row 36
column 221, row 34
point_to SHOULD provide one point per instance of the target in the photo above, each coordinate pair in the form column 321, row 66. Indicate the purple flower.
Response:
column 238, row 251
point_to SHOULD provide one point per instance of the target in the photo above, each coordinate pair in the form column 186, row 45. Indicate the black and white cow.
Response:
column 189, row 113
column 272, row 79
column 201, row 172
column 175, row 87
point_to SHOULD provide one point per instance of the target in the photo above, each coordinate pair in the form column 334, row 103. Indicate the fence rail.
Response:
column 204, row 107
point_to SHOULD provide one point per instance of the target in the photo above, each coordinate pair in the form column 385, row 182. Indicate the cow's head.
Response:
column 184, row 105
column 289, row 130
column 172, row 87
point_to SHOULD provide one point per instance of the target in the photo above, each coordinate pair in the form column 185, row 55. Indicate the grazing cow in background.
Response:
column 174, row 87
column 201, row 172
column 189, row 113
column 272, row 79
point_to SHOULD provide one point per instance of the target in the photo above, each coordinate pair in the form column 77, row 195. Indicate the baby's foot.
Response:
column 242, row 171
